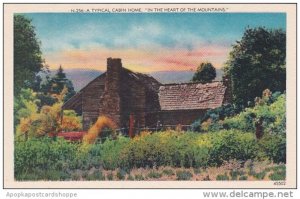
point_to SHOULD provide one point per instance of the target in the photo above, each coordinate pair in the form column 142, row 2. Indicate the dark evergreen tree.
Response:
column 205, row 73
column 256, row 63
column 28, row 60
column 59, row 81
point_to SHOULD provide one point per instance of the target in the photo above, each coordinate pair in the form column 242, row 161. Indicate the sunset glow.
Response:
column 144, row 42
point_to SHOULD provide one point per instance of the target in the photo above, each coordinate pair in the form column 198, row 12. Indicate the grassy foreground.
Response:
column 230, row 171
column 167, row 155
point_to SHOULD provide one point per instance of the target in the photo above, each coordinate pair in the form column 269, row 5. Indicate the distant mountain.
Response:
column 167, row 77
column 81, row 77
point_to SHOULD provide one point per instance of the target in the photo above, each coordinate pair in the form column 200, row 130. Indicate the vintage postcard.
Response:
column 149, row 96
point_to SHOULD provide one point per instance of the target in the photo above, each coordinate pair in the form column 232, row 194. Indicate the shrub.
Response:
column 197, row 171
column 177, row 149
column 278, row 168
column 212, row 118
column 168, row 172
column 184, row 175
column 229, row 145
column 96, row 130
column 85, row 174
column 270, row 108
column 243, row 178
column 154, row 174
column 222, row 177
column 111, row 153
column 272, row 111
column 235, row 173
column 260, row 175
column 130, row 177
column 71, row 121
column 75, row 176
column 98, row 175
column 274, row 147
column 206, row 178
column 167, row 148
column 44, row 175
column 139, row 177
column 43, row 154
column 121, row 174
column 37, row 121
column 110, row 176
column 279, row 175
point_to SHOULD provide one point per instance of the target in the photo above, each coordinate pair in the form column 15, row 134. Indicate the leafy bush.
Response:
column 154, row 174
column 96, row 175
column 130, row 177
column 39, row 174
column 222, row 177
column 110, row 176
column 279, row 175
column 164, row 148
column 279, row 172
column 71, row 121
column 197, row 170
column 168, row 172
column 104, row 128
column 243, row 178
column 260, row 175
column 75, row 176
column 210, row 121
column 274, row 147
column 34, row 122
column 121, row 174
column 270, row 108
column 43, row 154
column 139, row 177
column 85, row 174
column 184, row 175
column 235, row 173
column 168, row 148
column 111, row 153
column 171, row 148
column 229, row 145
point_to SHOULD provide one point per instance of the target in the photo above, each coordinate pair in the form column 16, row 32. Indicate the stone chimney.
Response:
column 110, row 102
column 113, row 74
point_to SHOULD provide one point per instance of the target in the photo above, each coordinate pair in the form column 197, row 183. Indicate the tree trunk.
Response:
column 259, row 128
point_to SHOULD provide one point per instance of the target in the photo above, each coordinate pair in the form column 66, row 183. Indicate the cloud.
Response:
column 145, row 42
column 139, row 59
column 149, row 35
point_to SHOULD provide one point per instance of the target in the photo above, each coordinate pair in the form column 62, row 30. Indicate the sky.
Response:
column 145, row 42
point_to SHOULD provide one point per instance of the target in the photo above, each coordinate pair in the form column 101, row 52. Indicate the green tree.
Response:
column 57, row 83
column 205, row 73
column 24, row 105
column 257, row 62
column 34, row 122
column 28, row 61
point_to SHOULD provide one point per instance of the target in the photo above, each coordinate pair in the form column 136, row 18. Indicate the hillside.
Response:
column 81, row 77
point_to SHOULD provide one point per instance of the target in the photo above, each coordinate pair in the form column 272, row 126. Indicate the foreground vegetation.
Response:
column 232, row 170
column 226, row 148
column 61, row 160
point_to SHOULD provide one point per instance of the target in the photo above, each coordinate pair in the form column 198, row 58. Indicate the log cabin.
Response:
column 121, row 95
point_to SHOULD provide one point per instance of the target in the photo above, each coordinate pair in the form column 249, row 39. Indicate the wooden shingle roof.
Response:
column 147, row 80
column 191, row 96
